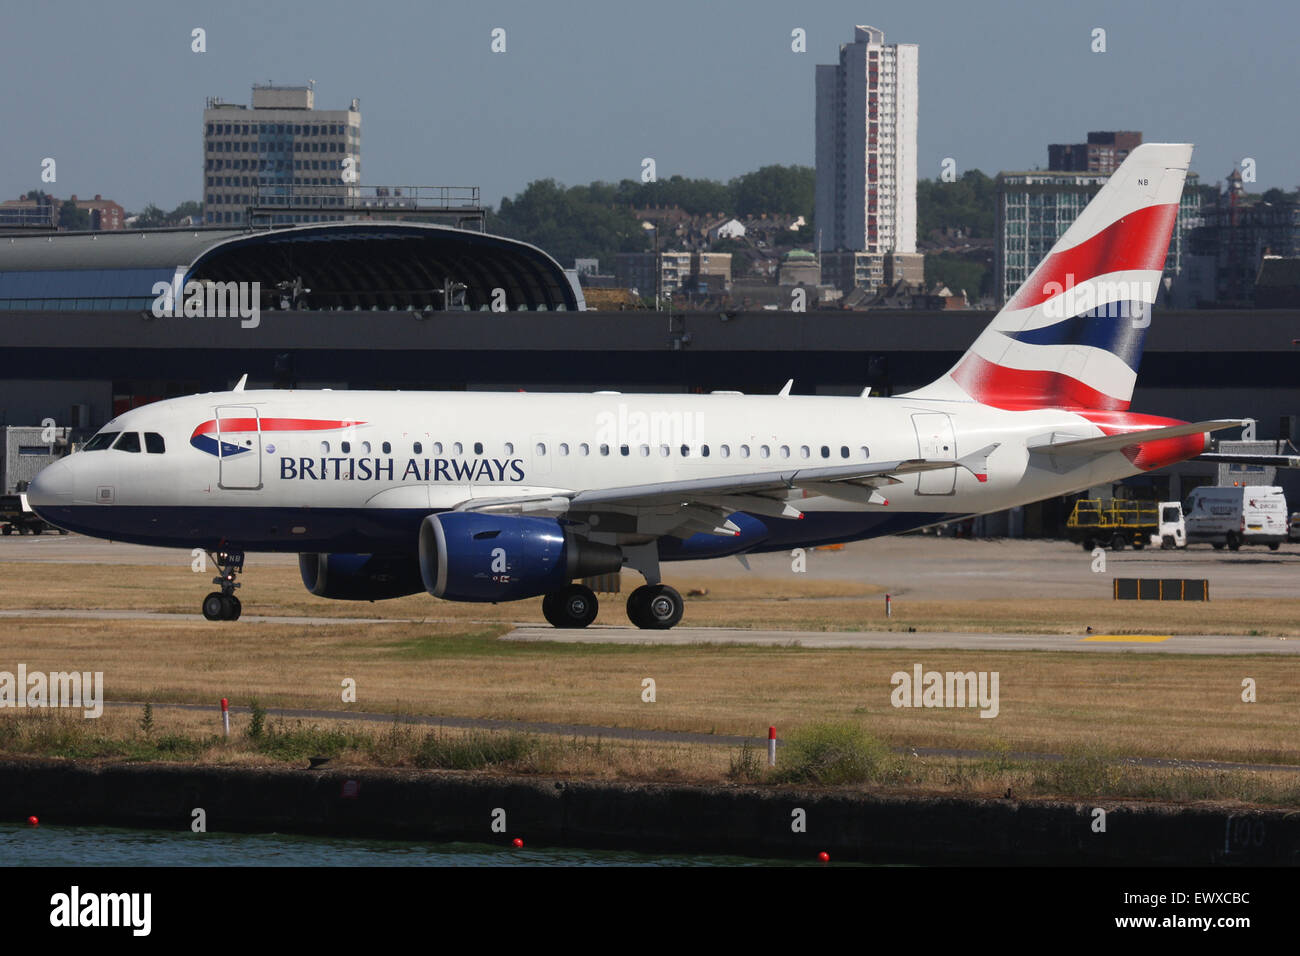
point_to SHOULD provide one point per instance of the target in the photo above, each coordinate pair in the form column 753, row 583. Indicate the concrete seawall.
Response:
column 752, row 821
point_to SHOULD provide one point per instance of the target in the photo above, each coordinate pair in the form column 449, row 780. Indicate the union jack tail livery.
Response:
column 1071, row 336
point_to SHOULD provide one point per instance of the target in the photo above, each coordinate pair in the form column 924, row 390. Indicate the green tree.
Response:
column 71, row 216
column 188, row 208
column 150, row 217
column 567, row 224
column 966, row 204
column 958, row 273
column 774, row 189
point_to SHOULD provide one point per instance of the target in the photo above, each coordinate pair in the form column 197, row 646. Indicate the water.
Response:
column 114, row 846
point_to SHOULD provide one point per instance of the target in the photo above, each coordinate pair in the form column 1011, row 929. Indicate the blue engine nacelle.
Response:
column 471, row 556
column 360, row 577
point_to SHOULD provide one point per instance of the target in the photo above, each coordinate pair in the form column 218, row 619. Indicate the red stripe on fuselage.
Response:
column 1138, row 241
column 271, row 425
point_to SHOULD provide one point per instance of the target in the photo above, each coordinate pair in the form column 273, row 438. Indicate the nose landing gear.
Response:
column 223, row 605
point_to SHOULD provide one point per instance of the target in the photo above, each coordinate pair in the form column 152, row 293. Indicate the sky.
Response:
column 586, row 90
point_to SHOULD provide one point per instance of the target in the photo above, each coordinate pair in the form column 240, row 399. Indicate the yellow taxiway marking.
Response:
column 1130, row 638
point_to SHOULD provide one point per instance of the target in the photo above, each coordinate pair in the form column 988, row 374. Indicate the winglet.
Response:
column 785, row 389
column 239, row 386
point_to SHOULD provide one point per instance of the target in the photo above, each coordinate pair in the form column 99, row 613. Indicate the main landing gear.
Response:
column 653, row 606
column 223, row 605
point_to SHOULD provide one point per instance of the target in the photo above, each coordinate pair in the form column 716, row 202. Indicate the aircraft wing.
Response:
column 705, row 504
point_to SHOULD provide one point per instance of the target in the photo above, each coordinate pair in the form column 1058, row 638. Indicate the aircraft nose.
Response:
column 52, row 487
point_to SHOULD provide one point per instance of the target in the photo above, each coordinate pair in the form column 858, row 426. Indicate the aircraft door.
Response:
column 935, row 440
column 239, row 444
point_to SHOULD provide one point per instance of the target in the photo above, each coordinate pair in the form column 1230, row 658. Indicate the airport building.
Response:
column 1034, row 209
column 389, row 305
column 280, row 150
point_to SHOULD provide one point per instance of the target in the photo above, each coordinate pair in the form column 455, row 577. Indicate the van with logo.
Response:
column 1233, row 516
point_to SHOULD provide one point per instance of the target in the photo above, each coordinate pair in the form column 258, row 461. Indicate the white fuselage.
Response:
column 288, row 459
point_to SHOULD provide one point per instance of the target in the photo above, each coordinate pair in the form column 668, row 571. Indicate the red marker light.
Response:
column 32, row 822
column 824, row 857
column 517, row 843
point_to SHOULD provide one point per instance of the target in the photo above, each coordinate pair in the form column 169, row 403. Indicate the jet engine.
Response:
column 360, row 577
column 471, row 556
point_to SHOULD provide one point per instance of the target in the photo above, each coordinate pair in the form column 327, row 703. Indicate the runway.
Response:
column 916, row 640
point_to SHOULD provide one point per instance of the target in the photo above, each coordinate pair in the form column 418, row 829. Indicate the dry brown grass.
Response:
column 792, row 602
column 1151, row 705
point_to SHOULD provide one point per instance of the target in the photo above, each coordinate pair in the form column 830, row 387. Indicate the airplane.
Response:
column 495, row 497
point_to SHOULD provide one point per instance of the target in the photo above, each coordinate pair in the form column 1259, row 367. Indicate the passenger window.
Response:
column 785, row 451
column 345, row 447
column 686, row 451
column 844, row 451
column 541, row 448
column 584, row 449
column 437, row 448
column 510, row 448
column 744, row 451
column 478, row 447
column 645, row 451
column 324, row 448
column 866, row 452
column 128, row 441
column 804, row 451
column 564, row 448
column 624, row 450
column 365, row 448
column 388, row 449
column 704, row 451
column 664, row 451
column 764, row 451
column 153, row 443
column 826, row 452
column 724, row 451
column 457, row 448
column 101, row 441
column 418, row 448
column 604, row 449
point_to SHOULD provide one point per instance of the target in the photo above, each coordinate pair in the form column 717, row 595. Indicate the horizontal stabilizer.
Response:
column 1106, row 443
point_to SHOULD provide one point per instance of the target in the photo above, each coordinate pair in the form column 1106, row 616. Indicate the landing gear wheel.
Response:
column 1234, row 542
column 223, row 605
column 1117, row 543
column 214, row 606
column 655, row 607
column 572, row 606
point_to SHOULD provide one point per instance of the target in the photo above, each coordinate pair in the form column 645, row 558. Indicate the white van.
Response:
column 1246, row 514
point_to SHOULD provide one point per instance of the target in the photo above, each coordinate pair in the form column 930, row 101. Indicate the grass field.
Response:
column 437, row 658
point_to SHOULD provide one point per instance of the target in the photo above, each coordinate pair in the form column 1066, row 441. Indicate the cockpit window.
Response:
column 129, row 441
column 153, row 443
column 100, row 441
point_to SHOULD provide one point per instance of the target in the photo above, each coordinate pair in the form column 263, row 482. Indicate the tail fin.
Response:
column 1072, row 335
